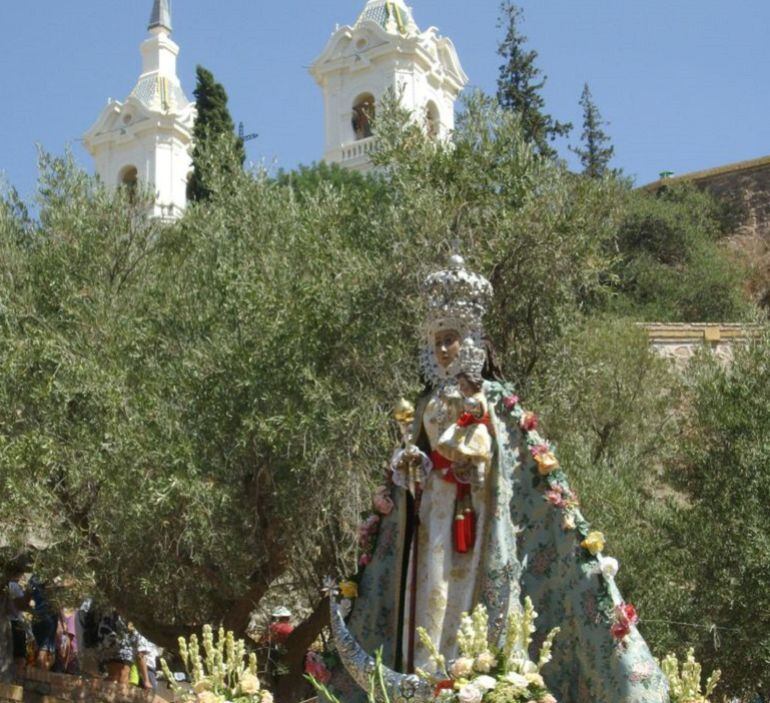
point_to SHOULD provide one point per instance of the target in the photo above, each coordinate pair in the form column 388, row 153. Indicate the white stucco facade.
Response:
column 384, row 50
column 148, row 137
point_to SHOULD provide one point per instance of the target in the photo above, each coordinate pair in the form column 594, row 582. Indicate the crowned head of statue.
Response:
column 453, row 333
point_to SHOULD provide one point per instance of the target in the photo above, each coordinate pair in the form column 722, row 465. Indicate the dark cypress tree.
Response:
column 520, row 82
column 212, row 124
column 596, row 151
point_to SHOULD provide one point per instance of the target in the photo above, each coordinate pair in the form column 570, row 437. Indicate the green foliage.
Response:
column 596, row 151
column 726, row 478
column 674, row 264
column 520, row 83
column 214, row 129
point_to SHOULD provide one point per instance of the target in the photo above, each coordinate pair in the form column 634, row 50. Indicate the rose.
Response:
column 555, row 497
column 249, row 683
column 518, row 680
column 462, row 667
column 470, row 694
column 485, row 683
column 608, row 567
column 382, row 502
column 267, row 697
column 625, row 617
column 484, row 662
column 548, row 698
column 443, row 685
column 546, row 463
column 349, row 589
column 594, row 542
column 510, row 402
column 315, row 667
column 365, row 560
column 535, row 679
column 529, row 422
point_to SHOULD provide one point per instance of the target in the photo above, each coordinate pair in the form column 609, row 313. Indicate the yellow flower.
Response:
column 594, row 543
column 546, row 463
column 349, row 589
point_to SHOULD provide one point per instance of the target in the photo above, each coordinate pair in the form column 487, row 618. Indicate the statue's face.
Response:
column 447, row 347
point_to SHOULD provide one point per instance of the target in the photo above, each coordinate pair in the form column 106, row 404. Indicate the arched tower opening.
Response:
column 363, row 116
column 128, row 178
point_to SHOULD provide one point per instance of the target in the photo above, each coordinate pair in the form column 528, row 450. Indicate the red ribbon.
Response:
column 464, row 527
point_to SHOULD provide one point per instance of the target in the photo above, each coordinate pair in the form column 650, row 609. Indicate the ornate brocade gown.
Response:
column 524, row 546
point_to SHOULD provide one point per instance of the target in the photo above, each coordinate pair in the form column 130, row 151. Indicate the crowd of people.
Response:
column 81, row 640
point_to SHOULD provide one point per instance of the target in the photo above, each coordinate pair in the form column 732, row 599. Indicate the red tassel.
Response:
column 470, row 527
column 461, row 545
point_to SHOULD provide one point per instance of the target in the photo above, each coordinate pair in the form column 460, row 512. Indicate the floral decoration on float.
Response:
column 219, row 670
column 486, row 673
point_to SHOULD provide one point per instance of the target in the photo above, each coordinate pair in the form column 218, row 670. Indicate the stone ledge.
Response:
column 47, row 687
column 11, row 692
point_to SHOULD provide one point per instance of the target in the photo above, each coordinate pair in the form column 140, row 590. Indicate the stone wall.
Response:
column 681, row 341
column 745, row 185
column 46, row 687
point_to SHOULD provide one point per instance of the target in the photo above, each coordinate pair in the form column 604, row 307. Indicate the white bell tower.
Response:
column 384, row 50
column 147, row 139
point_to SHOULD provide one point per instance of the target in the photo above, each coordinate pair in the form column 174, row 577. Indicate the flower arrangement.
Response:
column 221, row 672
column 486, row 672
column 685, row 679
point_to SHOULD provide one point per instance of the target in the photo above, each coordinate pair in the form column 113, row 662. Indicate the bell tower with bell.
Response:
column 384, row 50
column 147, row 139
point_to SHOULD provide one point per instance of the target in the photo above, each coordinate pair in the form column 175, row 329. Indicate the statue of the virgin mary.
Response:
column 483, row 514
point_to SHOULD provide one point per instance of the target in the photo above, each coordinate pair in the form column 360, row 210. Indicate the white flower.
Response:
column 536, row 679
column 267, row 697
column 609, row 567
column 517, row 680
column 209, row 697
column 470, row 694
column 484, row 662
column 462, row 668
column 485, row 683
column 249, row 683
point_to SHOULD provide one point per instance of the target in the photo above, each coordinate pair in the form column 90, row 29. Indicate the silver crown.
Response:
column 457, row 294
column 456, row 299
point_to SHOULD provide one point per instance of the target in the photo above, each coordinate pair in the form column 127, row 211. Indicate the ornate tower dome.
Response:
column 147, row 139
column 384, row 50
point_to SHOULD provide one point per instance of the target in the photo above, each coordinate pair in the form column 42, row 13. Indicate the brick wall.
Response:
column 46, row 687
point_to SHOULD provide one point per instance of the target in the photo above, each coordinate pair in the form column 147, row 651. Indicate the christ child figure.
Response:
column 468, row 442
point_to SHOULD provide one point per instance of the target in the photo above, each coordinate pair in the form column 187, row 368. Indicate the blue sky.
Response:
column 683, row 83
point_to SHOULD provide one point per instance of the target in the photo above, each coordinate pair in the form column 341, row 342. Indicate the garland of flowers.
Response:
column 558, row 493
column 485, row 672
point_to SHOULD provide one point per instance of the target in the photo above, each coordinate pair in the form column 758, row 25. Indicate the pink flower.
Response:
column 315, row 667
column 365, row 560
column 556, row 498
column 529, row 422
column 539, row 449
column 510, row 402
column 382, row 501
